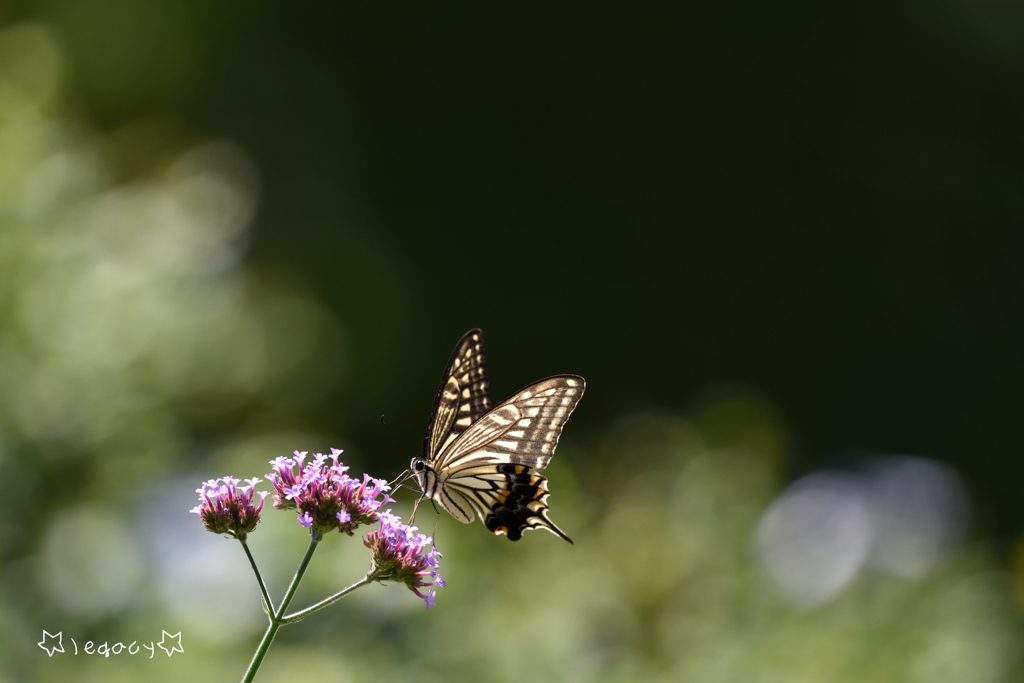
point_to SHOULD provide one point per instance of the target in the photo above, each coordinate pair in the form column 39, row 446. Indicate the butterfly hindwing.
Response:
column 462, row 397
column 514, row 499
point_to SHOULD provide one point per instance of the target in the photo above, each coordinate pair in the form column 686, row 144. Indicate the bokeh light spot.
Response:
column 92, row 563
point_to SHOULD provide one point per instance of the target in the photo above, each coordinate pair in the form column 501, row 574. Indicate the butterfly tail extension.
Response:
column 520, row 504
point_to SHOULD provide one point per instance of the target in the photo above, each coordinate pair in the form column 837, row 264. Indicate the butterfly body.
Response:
column 485, row 461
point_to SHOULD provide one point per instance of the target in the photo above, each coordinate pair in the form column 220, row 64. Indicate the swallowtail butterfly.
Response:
column 483, row 460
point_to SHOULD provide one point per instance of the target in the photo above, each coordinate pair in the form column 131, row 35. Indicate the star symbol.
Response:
column 173, row 641
column 52, row 643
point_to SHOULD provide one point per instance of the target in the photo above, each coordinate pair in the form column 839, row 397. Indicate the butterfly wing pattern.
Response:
column 489, row 464
column 462, row 397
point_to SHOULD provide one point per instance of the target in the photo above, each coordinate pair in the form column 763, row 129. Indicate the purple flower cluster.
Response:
column 400, row 554
column 226, row 508
column 325, row 496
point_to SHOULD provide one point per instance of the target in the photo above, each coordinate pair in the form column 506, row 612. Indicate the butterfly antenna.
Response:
column 397, row 435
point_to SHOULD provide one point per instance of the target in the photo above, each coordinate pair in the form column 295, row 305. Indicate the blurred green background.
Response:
column 784, row 243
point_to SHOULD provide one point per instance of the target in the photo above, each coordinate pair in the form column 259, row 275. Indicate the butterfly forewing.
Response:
column 523, row 430
column 462, row 397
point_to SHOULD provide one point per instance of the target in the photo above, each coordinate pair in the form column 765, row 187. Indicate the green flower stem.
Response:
column 259, row 578
column 275, row 619
column 291, row 618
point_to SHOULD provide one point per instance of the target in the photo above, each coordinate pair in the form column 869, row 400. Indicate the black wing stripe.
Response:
column 457, row 504
column 445, row 416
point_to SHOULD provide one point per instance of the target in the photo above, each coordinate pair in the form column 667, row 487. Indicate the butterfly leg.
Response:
column 433, row 535
column 415, row 507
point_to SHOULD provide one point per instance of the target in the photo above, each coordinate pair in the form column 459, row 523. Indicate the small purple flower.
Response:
column 400, row 554
column 284, row 481
column 327, row 498
column 226, row 508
